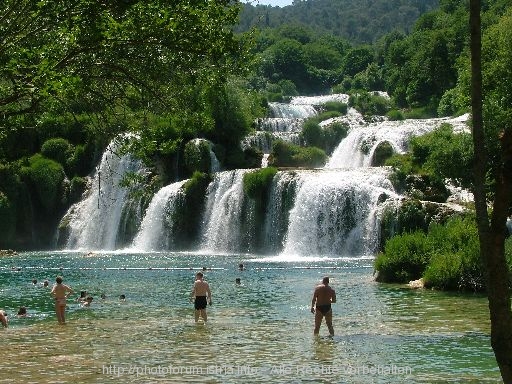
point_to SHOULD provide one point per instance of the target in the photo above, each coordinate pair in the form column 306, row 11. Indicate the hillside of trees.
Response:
column 358, row 21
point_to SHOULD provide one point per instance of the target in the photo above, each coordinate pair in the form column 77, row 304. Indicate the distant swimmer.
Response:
column 22, row 312
column 323, row 297
column 60, row 293
column 87, row 302
column 202, row 295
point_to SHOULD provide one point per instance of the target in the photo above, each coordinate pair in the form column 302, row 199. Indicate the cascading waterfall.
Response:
column 154, row 234
column 357, row 149
column 329, row 211
column 282, row 199
column 226, row 223
column 335, row 212
column 285, row 123
column 94, row 222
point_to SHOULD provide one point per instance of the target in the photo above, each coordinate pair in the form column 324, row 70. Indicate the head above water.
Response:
column 59, row 280
column 325, row 280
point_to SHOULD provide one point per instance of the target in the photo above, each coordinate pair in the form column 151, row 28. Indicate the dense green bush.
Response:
column 369, row 104
column 290, row 155
column 79, row 163
column 77, row 188
column 395, row 115
column 447, row 257
column 187, row 215
column 333, row 134
column 327, row 137
column 405, row 258
column 337, row 106
column 434, row 157
column 47, row 177
column 256, row 183
column 450, row 155
column 57, row 149
column 456, row 265
column 312, row 133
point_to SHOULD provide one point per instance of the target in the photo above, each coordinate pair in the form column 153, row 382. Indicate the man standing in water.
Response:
column 323, row 297
column 201, row 293
column 60, row 292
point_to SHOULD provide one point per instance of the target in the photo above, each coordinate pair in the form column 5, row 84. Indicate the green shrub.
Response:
column 405, row 258
column 447, row 257
column 47, row 177
column 326, row 115
column 419, row 113
column 7, row 220
column 327, row 137
column 79, row 162
column 395, row 115
column 312, row 133
column 256, row 183
column 402, row 166
column 333, row 134
column 443, row 271
column 369, row 104
column 337, row 106
column 186, row 217
column 290, row 155
column 77, row 188
column 57, row 149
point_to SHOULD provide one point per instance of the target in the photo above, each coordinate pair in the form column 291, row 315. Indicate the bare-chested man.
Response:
column 201, row 293
column 60, row 292
column 323, row 297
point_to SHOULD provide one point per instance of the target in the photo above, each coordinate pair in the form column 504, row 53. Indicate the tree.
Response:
column 491, row 227
column 98, row 56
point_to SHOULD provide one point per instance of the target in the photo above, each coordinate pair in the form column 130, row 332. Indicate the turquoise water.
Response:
column 258, row 332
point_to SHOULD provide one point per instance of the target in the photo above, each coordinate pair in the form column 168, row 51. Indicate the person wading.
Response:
column 323, row 297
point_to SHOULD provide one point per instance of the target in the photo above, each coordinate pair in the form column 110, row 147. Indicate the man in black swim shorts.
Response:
column 323, row 297
column 202, row 295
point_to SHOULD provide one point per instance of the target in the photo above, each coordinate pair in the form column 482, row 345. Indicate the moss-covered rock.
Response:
column 186, row 217
column 382, row 152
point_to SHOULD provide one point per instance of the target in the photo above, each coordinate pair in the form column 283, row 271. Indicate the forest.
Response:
column 360, row 22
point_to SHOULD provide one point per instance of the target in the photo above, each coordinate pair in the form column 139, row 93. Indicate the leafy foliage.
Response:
column 290, row 155
column 47, row 178
column 256, row 183
column 435, row 156
column 447, row 257
column 57, row 149
column 357, row 21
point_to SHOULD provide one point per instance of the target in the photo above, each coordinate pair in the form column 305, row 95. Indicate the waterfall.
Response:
column 357, row 149
column 93, row 223
column 155, row 232
column 335, row 212
column 226, row 224
column 330, row 211
column 282, row 198
column 285, row 123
